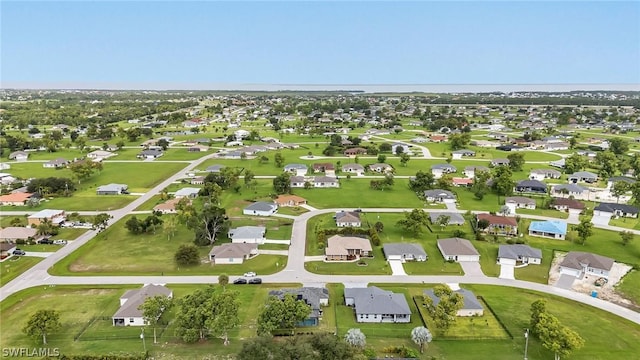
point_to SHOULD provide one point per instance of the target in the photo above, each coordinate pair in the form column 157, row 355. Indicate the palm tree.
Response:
column 44, row 228
column 355, row 338
column 421, row 336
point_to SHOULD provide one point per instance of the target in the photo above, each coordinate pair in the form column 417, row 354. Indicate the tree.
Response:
column 163, row 143
column 192, row 315
column 379, row 226
column 538, row 307
column 83, row 170
column 169, row 226
column 626, row 236
column 482, row 224
column 44, row 228
column 382, row 158
column 355, row 338
column 574, row 163
column 282, row 314
column 187, row 255
column 555, row 337
column 479, row 188
column 282, row 184
column 444, row 313
column 152, row 309
column 620, row 188
column 100, row 221
column 516, row 161
column 445, row 182
column 278, row 160
column 414, row 221
column 42, row 323
column 224, row 314
column 459, row 141
column 421, row 182
column 223, row 280
column 404, row 159
column 443, row 220
column 248, row 177
column 263, row 159
column 385, row 147
column 503, row 183
column 208, row 223
column 584, row 230
column 618, row 146
column 608, row 164
column 421, row 336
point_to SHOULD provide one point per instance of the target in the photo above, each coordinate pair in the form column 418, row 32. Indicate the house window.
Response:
column 130, row 320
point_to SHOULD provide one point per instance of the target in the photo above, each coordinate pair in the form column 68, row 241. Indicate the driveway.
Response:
column 601, row 219
column 471, row 268
column 506, row 272
column 397, row 268
column 451, row 206
column 565, row 281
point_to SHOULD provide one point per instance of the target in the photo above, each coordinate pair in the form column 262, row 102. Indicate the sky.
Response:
column 211, row 44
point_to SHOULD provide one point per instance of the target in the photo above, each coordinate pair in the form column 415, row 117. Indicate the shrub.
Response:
column 459, row 233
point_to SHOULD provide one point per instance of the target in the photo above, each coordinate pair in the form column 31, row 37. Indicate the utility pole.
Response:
column 526, row 343
column 144, row 344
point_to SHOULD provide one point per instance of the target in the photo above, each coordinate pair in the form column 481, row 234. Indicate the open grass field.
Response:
column 150, row 254
column 16, row 265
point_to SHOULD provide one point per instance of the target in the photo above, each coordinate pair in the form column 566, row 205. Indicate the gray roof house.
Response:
column 215, row 168
column 439, row 195
column 348, row 219
column 112, row 189
column 56, row 163
column 374, row 305
column 531, row 186
column 128, row 314
column 188, row 192
column 583, row 176
column 438, row 170
column 298, row 169
column 521, row 202
column 315, row 297
column 457, row 249
column 579, row 264
column 454, row 218
column 471, row 305
column 623, row 210
column 500, row 162
column 404, row 252
column 149, row 154
column 569, row 190
column 261, row 208
column 232, row 253
column 525, row 254
column 247, row 234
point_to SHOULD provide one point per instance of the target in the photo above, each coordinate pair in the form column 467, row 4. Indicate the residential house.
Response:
column 471, row 171
column 583, row 176
column 460, row 182
column 439, row 170
column 248, row 234
column 439, row 196
column 150, row 154
column 484, row 143
column 167, row 207
column 14, row 233
column 348, row 219
column 499, row 162
column 531, row 186
column 112, row 189
column 541, row 174
column 297, row 181
column 470, row 307
column 296, row 169
column 215, row 168
column 261, row 208
column 374, row 305
column 438, row 138
column 404, row 252
column 567, row 190
column 615, row 179
column 56, row 164
column 454, row 218
column 355, row 151
column 241, row 134
column 566, row 204
column 5, row 166
column 459, row 154
column 55, row 216
column 6, row 249
column 290, row 200
column 100, row 155
column 520, row 202
column 552, row 229
column 325, row 182
column 353, row 169
column 617, row 210
column 342, row 248
column 188, row 192
column 315, row 297
column 19, row 156
column 327, row 168
column 16, row 199
column 380, row 168
column 457, row 249
column 579, row 264
column 500, row 225
column 197, row 148
column 129, row 313
column 556, row 146
column 518, row 253
column 232, row 253
column 197, row 180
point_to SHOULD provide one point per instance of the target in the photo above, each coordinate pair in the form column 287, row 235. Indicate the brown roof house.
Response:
column 500, row 225
column 13, row 233
column 6, row 248
column 290, row 200
column 16, row 199
column 232, row 253
column 129, row 313
column 566, row 204
column 342, row 248
column 579, row 264
column 348, row 219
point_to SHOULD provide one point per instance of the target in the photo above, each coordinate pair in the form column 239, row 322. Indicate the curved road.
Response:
column 293, row 272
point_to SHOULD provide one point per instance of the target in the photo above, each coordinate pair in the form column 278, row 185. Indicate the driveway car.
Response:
column 46, row 241
column 18, row 252
column 249, row 274
column 255, row 281
column 59, row 242
column 240, row 281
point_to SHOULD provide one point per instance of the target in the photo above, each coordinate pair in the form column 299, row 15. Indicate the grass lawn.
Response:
column 628, row 223
column 375, row 266
column 292, row 210
column 277, row 228
column 544, row 212
column 150, row 254
column 149, row 204
column 467, row 201
column 16, row 265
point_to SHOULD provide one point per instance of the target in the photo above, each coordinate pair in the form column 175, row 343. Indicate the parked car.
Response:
column 59, row 242
column 46, row 241
column 249, row 274
column 19, row 252
column 255, row 281
column 240, row 281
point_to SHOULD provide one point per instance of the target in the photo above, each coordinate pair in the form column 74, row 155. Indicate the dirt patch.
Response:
column 587, row 284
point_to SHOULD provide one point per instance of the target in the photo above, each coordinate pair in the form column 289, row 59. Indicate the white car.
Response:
column 249, row 274
column 59, row 242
